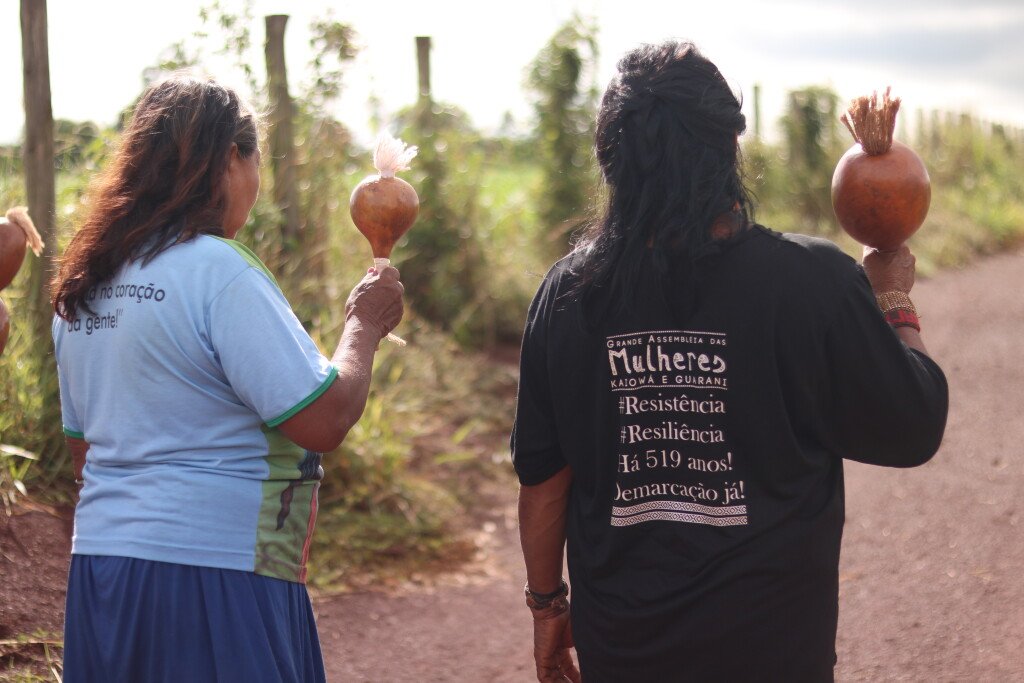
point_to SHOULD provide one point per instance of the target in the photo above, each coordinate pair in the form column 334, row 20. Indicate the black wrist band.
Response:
column 541, row 598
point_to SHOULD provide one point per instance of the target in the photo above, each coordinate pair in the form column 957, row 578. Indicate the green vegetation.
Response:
column 442, row 261
column 31, row 658
column 440, row 409
column 434, row 427
column 975, row 167
column 565, row 107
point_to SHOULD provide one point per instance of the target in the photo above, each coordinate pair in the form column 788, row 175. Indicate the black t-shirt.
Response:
column 706, row 509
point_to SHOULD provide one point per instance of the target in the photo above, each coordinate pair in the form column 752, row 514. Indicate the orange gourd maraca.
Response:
column 880, row 188
column 383, row 206
column 17, row 232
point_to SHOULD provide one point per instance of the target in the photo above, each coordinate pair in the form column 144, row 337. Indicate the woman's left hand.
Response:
column 78, row 448
column 552, row 640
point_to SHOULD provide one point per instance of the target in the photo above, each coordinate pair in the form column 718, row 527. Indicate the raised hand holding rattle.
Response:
column 383, row 206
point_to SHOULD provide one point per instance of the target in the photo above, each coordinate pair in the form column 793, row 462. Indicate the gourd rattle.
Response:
column 384, row 206
column 16, row 233
column 880, row 188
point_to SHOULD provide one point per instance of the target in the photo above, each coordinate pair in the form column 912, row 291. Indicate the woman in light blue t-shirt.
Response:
column 197, row 408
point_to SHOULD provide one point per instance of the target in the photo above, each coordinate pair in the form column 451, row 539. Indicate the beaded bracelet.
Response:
column 898, row 309
column 901, row 317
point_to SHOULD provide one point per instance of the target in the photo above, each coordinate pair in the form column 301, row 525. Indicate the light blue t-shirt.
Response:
column 177, row 383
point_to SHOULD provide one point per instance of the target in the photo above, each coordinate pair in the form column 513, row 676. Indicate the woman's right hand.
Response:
column 893, row 271
column 374, row 307
column 890, row 271
column 377, row 300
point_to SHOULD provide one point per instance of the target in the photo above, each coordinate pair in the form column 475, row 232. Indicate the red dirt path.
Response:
column 931, row 585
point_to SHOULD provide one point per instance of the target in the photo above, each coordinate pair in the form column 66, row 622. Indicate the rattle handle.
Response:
column 380, row 264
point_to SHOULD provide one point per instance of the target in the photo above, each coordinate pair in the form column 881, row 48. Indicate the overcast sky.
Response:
column 961, row 55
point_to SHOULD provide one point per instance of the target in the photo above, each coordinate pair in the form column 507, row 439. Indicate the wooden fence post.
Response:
column 38, row 158
column 282, row 130
column 423, row 64
column 757, row 111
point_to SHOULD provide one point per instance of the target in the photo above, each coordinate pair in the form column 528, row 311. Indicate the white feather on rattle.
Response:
column 392, row 155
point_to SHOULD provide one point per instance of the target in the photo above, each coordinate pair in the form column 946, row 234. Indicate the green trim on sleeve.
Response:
column 73, row 434
column 306, row 401
column 251, row 258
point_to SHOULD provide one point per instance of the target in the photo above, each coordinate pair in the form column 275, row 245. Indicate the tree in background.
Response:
column 812, row 146
column 233, row 36
column 322, row 163
column 334, row 48
column 441, row 259
column 174, row 57
column 326, row 161
column 565, row 107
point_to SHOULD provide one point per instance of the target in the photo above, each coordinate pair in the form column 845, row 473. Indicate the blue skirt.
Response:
column 131, row 620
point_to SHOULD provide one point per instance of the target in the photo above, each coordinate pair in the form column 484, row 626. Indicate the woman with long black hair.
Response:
column 690, row 385
column 196, row 408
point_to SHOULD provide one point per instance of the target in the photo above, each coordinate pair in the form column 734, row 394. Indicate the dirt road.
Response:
column 931, row 574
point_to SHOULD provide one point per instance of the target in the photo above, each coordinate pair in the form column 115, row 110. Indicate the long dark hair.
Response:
column 162, row 186
column 667, row 146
